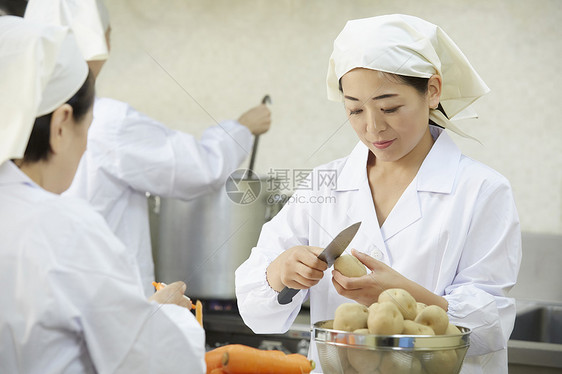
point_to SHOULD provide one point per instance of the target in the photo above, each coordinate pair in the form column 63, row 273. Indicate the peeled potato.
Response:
column 434, row 317
column 350, row 317
column 420, row 307
column 373, row 307
column 363, row 360
column 402, row 299
column 400, row 363
column 440, row 362
column 350, row 370
column 385, row 319
column 414, row 328
column 452, row 330
column 350, row 266
column 361, row 331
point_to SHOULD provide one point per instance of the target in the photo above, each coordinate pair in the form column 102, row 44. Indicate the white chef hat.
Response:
column 42, row 68
column 407, row 45
column 88, row 19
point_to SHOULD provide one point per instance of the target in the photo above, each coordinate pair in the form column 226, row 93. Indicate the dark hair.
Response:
column 13, row 7
column 38, row 146
column 419, row 84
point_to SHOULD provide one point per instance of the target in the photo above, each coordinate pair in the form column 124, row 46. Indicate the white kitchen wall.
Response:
column 190, row 63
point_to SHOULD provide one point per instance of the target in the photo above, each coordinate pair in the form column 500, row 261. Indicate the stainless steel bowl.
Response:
column 343, row 352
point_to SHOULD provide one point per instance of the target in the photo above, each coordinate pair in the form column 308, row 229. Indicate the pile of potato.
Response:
column 396, row 312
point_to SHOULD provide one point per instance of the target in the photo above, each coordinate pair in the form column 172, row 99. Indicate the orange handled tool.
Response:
column 198, row 305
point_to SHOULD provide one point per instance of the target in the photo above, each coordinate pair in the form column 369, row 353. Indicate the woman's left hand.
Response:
column 172, row 294
column 366, row 289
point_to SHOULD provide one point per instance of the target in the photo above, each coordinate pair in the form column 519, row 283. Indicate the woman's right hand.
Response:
column 173, row 293
column 297, row 267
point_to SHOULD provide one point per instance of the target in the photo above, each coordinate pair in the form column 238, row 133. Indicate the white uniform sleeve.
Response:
column 257, row 301
column 181, row 349
column 487, row 271
column 123, row 332
column 154, row 158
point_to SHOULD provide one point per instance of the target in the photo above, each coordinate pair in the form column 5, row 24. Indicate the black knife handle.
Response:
column 286, row 295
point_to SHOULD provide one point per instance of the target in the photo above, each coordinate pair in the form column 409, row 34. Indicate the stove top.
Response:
column 214, row 305
column 224, row 325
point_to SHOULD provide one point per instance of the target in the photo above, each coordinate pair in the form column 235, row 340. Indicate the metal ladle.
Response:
column 266, row 100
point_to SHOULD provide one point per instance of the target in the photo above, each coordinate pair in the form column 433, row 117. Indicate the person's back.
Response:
column 130, row 154
column 28, row 265
column 75, row 292
column 73, row 301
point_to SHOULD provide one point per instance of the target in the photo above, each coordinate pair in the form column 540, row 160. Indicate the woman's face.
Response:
column 390, row 118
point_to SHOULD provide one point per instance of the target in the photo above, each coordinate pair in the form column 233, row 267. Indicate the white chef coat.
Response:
column 72, row 301
column 129, row 154
column 455, row 231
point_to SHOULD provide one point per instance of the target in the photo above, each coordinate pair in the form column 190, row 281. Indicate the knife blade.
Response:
column 332, row 251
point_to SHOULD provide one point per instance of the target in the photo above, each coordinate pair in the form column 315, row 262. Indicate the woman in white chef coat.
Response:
column 130, row 154
column 434, row 222
column 72, row 300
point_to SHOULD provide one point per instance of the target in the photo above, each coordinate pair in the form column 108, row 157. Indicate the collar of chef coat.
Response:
column 11, row 174
column 437, row 172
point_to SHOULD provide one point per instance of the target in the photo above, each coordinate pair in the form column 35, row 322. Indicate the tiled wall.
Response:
column 190, row 63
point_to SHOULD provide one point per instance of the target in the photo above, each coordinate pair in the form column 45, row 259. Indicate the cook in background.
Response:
column 436, row 223
column 72, row 300
column 130, row 154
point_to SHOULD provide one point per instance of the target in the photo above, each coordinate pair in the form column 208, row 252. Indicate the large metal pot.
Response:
column 203, row 241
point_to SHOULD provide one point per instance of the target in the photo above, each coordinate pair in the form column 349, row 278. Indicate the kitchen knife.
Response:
column 328, row 255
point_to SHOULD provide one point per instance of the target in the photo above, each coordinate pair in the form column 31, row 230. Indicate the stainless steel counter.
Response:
column 535, row 345
column 229, row 328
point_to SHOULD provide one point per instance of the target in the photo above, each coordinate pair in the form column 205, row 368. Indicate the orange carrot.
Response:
column 199, row 312
column 243, row 359
column 158, row 285
column 217, row 371
column 213, row 358
column 302, row 361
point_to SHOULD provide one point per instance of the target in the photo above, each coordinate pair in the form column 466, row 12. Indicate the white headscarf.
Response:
column 407, row 45
column 42, row 68
column 88, row 19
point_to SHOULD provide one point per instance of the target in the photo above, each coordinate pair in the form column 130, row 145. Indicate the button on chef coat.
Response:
column 455, row 231
column 377, row 254
column 72, row 300
column 129, row 154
